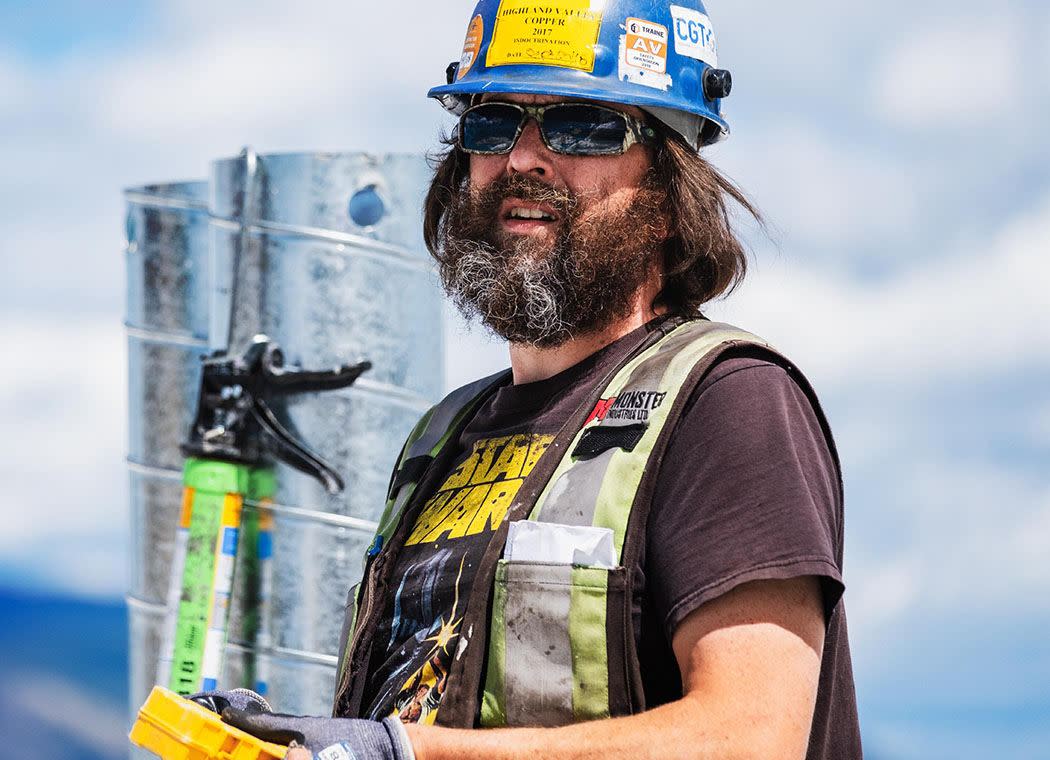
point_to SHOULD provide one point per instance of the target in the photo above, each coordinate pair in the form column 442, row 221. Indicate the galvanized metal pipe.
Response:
column 324, row 254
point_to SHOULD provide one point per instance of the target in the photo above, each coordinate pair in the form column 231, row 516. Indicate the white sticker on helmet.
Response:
column 643, row 54
column 694, row 35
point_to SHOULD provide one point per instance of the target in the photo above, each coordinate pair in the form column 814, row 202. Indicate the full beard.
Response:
column 542, row 291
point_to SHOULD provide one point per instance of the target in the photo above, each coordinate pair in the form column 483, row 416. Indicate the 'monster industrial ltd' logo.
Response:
column 633, row 406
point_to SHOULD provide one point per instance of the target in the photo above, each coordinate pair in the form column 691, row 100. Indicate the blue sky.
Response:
column 898, row 150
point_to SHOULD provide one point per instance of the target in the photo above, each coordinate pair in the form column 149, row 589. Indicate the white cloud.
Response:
column 951, row 541
column 232, row 84
column 1028, row 544
column 1038, row 426
column 981, row 312
column 821, row 193
column 251, row 72
column 12, row 84
column 970, row 525
column 62, row 414
column 74, row 264
column 883, row 593
column 958, row 73
column 801, row 48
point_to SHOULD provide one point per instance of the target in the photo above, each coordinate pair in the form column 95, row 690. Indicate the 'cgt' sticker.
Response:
column 694, row 36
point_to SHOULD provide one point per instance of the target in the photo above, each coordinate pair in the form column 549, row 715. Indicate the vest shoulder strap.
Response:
column 598, row 477
column 441, row 424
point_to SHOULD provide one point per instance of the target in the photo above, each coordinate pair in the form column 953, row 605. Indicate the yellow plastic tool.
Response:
column 177, row 729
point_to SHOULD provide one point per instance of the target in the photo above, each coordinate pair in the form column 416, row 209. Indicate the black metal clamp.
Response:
column 235, row 421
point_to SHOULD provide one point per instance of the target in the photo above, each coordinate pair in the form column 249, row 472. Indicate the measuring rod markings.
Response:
column 207, row 580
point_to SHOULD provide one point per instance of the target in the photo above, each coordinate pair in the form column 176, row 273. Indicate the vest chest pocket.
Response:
column 548, row 660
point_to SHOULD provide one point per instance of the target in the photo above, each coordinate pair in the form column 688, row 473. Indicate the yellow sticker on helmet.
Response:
column 548, row 32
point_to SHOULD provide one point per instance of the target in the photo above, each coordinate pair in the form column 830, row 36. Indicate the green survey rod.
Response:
column 213, row 499
column 234, row 440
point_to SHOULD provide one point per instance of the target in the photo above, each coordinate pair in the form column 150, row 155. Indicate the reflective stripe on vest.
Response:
column 548, row 651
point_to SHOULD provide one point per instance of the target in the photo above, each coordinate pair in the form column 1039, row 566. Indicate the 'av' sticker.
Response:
column 694, row 36
column 643, row 54
column 553, row 33
column 471, row 45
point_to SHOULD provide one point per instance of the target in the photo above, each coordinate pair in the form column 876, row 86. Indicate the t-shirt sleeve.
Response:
column 748, row 490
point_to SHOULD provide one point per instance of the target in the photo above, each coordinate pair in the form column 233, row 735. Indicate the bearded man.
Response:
column 630, row 544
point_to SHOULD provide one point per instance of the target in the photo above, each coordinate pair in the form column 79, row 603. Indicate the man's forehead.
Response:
column 542, row 100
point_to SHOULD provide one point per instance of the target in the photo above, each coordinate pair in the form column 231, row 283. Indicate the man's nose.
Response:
column 529, row 155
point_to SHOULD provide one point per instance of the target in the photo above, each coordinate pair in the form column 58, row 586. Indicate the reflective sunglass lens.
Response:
column 490, row 128
column 585, row 130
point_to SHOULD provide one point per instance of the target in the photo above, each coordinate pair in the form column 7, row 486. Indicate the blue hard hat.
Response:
column 659, row 56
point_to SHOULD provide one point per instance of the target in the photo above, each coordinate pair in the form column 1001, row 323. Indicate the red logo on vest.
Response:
column 600, row 410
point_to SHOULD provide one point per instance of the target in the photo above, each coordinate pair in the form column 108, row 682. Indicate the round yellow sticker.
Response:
column 471, row 45
column 550, row 33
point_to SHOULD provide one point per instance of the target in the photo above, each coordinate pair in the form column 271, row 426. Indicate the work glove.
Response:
column 241, row 699
column 326, row 738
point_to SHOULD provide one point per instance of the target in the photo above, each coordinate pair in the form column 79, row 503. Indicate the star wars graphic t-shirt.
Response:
column 437, row 566
column 748, row 490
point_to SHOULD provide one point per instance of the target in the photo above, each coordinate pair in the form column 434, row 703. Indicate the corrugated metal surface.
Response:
column 324, row 254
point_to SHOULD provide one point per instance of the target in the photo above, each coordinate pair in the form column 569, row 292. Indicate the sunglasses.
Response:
column 572, row 129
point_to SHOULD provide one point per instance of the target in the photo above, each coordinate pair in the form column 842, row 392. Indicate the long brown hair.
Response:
column 703, row 257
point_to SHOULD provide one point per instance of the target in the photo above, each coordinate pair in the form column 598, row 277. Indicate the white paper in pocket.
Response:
column 531, row 541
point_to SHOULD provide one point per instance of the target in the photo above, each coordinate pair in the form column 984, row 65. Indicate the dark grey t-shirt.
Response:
column 748, row 490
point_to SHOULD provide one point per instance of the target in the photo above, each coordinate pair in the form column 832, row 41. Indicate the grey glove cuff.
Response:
column 400, row 738
column 328, row 738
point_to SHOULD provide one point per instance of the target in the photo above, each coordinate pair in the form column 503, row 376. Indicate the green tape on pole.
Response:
column 196, row 602
column 217, row 477
column 211, row 482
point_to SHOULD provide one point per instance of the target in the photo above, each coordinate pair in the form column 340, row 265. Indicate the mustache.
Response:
column 487, row 200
